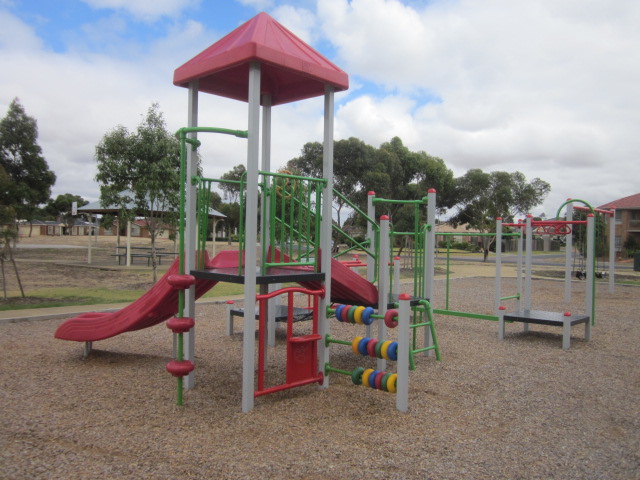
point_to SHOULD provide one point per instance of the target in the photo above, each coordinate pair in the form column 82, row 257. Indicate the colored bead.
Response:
column 392, row 351
column 354, row 345
column 356, row 375
column 362, row 346
column 371, row 347
column 367, row 319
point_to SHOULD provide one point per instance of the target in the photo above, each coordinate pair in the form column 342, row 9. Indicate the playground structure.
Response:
column 264, row 65
column 524, row 231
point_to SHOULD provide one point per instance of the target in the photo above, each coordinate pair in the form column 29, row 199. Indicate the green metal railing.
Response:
column 288, row 219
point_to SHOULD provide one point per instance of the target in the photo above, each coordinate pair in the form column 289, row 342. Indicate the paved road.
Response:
column 26, row 245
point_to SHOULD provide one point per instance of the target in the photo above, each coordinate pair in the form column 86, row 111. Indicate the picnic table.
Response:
column 141, row 252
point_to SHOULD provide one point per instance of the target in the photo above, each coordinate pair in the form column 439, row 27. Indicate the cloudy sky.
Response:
column 550, row 88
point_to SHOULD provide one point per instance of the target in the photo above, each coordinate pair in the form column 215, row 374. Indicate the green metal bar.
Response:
column 318, row 229
column 226, row 131
column 477, row 316
column 430, row 322
column 355, row 208
column 403, row 202
column 510, row 297
column 328, row 340
column 419, row 324
column 328, row 369
column 423, row 349
column 322, row 181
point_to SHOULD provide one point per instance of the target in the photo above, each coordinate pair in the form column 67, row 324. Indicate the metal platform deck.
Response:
column 541, row 317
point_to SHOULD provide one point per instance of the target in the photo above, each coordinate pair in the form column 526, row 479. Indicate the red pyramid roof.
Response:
column 632, row 201
column 290, row 69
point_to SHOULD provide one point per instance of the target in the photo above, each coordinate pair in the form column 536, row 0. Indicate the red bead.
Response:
column 180, row 324
column 180, row 368
column 181, row 282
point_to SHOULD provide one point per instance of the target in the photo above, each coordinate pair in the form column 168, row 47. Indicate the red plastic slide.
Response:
column 346, row 285
column 155, row 306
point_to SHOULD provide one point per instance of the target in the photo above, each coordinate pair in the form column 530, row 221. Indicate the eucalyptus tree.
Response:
column 25, row 179
column 139, row 172
column 482, row 197
column 61, row 208
column 30, row 179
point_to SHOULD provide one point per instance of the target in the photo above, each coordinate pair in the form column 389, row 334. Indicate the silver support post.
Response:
column 251, row 237
column 396, row 275
column 528, row 263
column 612, row 251
column 383, row 284
column 371, row 262
column 498, row 282
column 430, row 246
column 589, row 303
column 519, row 267
column 568, row 256
column 190, row 234
column 324, row 327
column 230, row 304
column 430, row 261
column 402, row 392
column 265, row 234
column 528, row 270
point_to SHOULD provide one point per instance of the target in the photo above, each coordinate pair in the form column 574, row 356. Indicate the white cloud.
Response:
column 300, row 21
column 548, row 88
column 16, row 35
column 77, row 97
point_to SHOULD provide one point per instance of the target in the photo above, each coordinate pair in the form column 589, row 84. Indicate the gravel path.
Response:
column 516, row 409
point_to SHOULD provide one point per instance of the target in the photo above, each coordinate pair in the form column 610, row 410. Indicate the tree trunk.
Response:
column 4, row 278
column 154, row 263
column 9, row 253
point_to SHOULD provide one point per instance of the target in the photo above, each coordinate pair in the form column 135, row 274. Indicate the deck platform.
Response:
column 540, row 317
column 272, row 275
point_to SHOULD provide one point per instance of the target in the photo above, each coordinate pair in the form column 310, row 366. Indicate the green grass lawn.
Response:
column 65, row 296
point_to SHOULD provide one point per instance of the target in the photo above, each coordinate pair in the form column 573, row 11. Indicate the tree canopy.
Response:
column 26, row 173
column 61, row 208
column 391, row 171
column 145, row 165
column 483, row 197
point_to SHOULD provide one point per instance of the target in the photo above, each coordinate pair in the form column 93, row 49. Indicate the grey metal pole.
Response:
column 430, row 245
column 190, row 235
column 324, row 327
column 430, row 261
column 528, row 263
column 402, row 364
column 589, row 303
column 265, row 234
column 519, row 268
column 568, row 255
column 383, row 283
column 612, row 251
column 371, row 213
column 498, row 282
column 251, row 237
column 371, row 262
